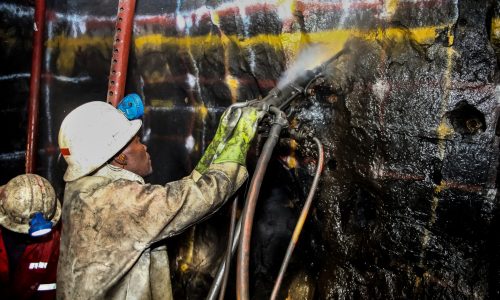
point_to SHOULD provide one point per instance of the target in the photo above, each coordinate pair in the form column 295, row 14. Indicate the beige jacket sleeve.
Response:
column 149, row 213
column 200, row 195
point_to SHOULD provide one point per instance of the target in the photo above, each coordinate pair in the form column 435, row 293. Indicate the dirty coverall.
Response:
column 112, row 220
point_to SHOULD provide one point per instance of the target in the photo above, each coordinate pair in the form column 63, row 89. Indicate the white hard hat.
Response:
column 91, row 135
column 22, row 197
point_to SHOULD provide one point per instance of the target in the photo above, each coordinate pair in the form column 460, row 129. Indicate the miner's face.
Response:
column 138, row 159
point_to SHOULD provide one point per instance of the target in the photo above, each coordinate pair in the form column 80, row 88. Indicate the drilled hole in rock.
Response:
column 497, row 129
column 437, row 176
column 419, row 271
column 466, row 119
column 332, row 165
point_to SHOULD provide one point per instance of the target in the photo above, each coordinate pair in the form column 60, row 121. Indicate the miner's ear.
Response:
column 120, row 159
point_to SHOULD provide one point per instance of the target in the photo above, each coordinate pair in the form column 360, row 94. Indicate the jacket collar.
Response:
column 115, row 173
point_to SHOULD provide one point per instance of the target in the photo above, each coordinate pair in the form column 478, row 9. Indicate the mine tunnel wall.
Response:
column 407, row 205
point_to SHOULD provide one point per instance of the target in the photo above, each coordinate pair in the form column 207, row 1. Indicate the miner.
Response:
column 113, row 222
column 29, row 238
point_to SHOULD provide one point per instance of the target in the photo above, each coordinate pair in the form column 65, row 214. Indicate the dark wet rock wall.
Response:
column 416, row 158
column 407, row 206
column 15, row 53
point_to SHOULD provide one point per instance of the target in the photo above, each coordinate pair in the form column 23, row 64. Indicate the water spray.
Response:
column 285, row 92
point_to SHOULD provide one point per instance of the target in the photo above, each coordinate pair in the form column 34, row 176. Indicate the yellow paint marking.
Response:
column 289, row 43
column 418, row 281
column 495, row 29
column 64, row 41
column 231, row 81
column 8, row 37
column 214, row 16
column 391, row 6
column 423, row 35
column 284, row 40
column 202, row 111
column 443, row 131
column 70, row 46
column 233, row 84
column 189, row 256
column 154, row 77
column 439, row 188
column 291, row 159
column 293, row 5
column 169, row 103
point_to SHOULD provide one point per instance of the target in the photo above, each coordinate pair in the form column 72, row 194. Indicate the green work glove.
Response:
column 227, row 123
column 236, row 148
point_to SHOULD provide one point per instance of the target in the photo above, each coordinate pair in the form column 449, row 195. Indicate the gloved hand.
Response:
column 238, row 144
column 227, row 123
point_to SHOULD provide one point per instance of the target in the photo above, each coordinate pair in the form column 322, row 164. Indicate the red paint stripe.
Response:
column 157, row 20
column 363, row 6
column 229, row 12
column 261, row 7
column 313, row 7
column 306, row 9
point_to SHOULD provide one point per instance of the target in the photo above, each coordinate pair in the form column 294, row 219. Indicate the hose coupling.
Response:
column 261, row 105
column 279, row 117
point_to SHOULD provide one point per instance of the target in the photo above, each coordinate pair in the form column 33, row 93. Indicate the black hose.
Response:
column 229, row 252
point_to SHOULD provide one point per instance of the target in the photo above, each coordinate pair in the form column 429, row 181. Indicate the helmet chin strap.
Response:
column 121, row 159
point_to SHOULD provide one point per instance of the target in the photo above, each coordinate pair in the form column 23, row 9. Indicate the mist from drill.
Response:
column 299, row 77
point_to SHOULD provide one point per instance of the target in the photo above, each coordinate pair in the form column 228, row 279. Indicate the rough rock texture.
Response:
column 414, row 183
column 409, row 199
column 407, row 206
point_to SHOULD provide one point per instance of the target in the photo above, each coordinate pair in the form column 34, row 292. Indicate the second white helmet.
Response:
column 22, row 197
column 91, row 135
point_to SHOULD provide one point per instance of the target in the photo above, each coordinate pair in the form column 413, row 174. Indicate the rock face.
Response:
column 407, row 205
column 414, row 184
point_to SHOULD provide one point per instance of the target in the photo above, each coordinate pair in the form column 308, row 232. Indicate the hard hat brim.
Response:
column 78, row 171
column 6, row 222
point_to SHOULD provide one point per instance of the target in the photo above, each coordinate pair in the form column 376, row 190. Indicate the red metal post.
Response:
column 34, row 97
column 121, row 49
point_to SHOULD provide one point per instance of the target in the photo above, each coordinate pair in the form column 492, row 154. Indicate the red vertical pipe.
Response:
column 121, row 49
column 34, row 97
